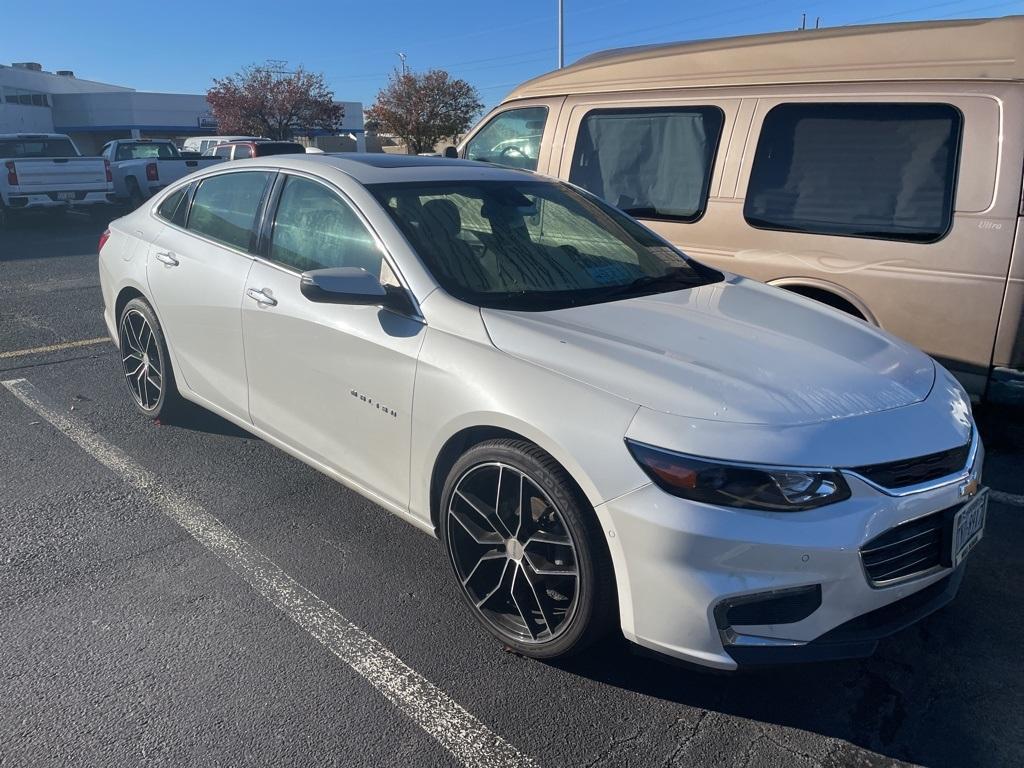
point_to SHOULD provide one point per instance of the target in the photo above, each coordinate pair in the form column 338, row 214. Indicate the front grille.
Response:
column 907, row 550
column 907, row 472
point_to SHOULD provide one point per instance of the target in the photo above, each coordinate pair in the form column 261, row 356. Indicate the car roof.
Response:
column 379, row 168
column 962, row 49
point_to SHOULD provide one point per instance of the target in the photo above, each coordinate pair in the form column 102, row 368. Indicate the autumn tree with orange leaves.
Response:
column 421, row 109
column 264, row 100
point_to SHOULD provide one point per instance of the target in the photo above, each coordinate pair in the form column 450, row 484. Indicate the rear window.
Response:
column 145, row 150
column 224, row 207
column 37, row 148
column 265, row 148
column 883, row 171
column 651, row 163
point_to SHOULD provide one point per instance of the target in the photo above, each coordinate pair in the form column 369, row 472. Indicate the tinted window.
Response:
column 224, row 207
column 511, row 138
column 863, row 170
column 26, row 147
column 242, row 151
column 224, row 152
column 652, row 163
column 279, row 148
column 315, row 229
column 173, row 206
column 533, row 245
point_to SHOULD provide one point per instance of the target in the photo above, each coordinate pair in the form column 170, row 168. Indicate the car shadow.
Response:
column 196, row 419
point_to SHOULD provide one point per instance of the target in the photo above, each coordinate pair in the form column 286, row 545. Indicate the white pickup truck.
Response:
column 41, row 171
column 142, row 167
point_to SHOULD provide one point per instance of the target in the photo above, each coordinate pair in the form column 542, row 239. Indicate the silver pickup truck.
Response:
column 142, row 167
column 45, row 171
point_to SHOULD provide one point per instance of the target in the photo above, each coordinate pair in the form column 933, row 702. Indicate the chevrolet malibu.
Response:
column 600, row 430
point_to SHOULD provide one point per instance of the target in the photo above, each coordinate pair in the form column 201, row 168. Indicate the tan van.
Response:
column 877, row 169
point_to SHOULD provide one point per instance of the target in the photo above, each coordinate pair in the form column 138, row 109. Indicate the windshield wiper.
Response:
column 677, row 279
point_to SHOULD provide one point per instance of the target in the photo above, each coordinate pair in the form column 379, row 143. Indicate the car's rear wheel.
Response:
column 145, row 361
column 530, row 558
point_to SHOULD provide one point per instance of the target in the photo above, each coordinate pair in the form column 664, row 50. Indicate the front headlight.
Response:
column 748, row 486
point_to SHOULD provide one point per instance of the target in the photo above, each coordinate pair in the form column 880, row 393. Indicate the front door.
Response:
column 332, row 381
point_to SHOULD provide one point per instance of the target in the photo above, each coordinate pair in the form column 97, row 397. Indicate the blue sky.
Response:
column 493, row 44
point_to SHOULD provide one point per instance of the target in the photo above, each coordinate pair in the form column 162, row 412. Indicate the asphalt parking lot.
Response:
column 185, row 594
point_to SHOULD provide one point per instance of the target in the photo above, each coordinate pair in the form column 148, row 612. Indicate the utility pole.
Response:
column 561, row 35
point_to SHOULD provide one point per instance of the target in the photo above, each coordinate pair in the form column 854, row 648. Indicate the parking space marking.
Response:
column 1013, row 499
column 463, row 735
column 53, row 347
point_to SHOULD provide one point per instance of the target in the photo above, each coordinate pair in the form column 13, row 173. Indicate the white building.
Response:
column 35, row 101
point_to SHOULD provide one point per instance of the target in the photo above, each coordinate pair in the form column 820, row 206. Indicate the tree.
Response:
column 262, row 100
column 422, row 109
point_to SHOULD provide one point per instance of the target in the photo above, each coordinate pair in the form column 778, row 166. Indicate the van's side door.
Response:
column 519, row 134
column 662, row 157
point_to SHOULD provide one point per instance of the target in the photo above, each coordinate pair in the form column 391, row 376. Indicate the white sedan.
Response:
column 601, row 431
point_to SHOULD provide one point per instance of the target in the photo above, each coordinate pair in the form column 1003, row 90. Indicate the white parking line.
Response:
column 53, row 347
column 465, row 737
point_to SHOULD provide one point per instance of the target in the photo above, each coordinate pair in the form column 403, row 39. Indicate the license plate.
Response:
column 968, row 526
column 65, row 195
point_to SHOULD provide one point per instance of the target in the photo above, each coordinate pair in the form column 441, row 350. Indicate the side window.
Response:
column 224, row 207
column 224, row 152
column 173, row 207
column 242, row 151
column 315, row 229
column 653, row 163
column 862, row 170
column 510, row 138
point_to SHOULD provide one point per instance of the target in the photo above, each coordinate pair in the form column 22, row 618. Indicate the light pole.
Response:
column 561, row 36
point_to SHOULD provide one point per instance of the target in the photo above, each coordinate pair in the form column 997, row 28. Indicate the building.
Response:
column 33, row 100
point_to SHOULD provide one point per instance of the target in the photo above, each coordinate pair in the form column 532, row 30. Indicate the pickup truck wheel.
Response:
column 135, row 196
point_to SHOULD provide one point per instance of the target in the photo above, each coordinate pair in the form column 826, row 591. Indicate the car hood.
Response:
column 735, row 351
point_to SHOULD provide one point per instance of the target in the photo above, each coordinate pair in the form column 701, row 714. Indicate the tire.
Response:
column 146, row 363
column 7, row 217
column 513, row 570
column 135, row 196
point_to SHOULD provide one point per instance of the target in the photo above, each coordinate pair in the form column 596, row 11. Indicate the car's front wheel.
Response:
column 145, row 361
column 530, row 558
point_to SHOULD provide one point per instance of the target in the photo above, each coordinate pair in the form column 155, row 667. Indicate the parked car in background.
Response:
column 45, row 171
column 602, row 431
column 877, row 169
column 142, row 167
column 201, row 144
column 242, row 150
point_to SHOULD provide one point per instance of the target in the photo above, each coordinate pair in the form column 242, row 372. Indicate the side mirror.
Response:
column 353, row 285
column 451, row 152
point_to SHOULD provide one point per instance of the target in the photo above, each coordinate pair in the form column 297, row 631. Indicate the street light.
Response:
column 561, row 36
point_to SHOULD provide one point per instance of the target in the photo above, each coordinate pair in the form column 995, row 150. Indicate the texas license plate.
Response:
column 968, row 526
column 65, row 195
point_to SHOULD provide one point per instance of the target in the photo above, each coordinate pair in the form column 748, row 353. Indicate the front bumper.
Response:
column 678, row 561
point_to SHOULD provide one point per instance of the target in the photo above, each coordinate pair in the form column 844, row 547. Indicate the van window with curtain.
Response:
column 883, row 171
column 651, row 163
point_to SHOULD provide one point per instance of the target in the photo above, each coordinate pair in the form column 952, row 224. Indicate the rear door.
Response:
column 197, row 276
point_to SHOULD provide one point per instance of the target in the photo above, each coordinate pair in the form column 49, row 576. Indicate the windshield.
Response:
column 28, row 147
column 146, row 150
column 533, row 245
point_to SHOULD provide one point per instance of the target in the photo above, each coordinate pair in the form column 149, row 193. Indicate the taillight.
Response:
column 151, row 172
column 103, row 240
column 12, row 173
column 106, row 167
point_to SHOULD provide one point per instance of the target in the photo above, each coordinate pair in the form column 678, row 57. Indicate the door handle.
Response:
column 261, row 297
column 168, row 258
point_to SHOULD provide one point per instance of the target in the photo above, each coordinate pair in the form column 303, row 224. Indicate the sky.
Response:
column 181, row 46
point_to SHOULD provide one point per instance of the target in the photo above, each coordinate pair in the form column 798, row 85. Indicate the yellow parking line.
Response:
column 53, row 347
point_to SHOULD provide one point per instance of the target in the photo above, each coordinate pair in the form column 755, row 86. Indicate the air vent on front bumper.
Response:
column 908, row 472
column 908, row 550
